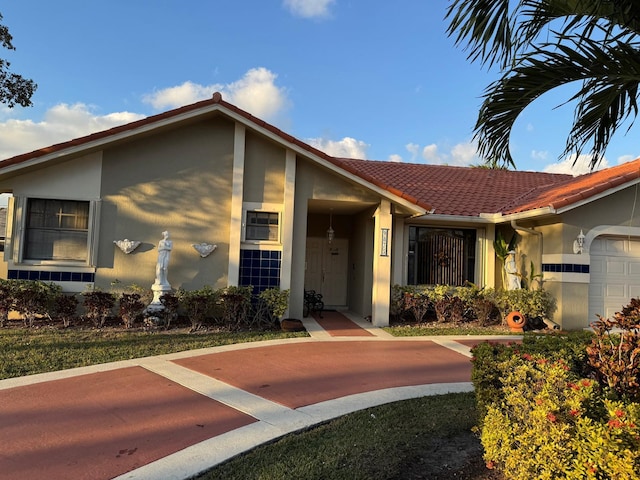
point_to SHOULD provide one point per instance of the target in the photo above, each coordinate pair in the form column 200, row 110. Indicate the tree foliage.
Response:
column 14, row 88
column 543, row 44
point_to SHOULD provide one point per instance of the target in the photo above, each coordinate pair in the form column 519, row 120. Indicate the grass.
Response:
column 428, row 329
column 428, row 437
column 26, row 351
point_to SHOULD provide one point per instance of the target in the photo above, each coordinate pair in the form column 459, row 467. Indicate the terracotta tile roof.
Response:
column 446, row 190
column 455, row 190
column 576, row 189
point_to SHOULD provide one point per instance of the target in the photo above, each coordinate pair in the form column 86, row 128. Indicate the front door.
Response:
column 326, row 269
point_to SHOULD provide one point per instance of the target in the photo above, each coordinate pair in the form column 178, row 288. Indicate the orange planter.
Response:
column 516, row 321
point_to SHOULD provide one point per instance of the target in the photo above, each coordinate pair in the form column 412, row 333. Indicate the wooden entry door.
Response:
column 327, row 268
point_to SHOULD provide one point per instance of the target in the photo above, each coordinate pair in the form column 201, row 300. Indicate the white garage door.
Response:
column 615, row 274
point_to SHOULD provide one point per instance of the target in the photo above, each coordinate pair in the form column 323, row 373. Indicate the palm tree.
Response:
column 543, row 44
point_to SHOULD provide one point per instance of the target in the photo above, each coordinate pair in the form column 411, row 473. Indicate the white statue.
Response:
column 164, row 253
column 513, row 279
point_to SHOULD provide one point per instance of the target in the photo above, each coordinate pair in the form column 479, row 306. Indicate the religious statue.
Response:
column 164, row 253
column 513, row 279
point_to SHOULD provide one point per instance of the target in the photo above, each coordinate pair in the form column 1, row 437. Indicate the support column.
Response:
column 382, row 249
column 235, row 230
column 287, row 222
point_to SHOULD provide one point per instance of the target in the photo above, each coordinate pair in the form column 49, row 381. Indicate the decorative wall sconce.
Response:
column 126, row 245
column 204, row 249
column 384, row 242
column 578, row 243
column 331, row 234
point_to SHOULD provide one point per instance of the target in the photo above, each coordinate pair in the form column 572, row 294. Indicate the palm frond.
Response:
column 609, row 76
column 485, row 26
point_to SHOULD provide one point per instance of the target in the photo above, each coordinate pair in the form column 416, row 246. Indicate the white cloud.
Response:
column 309, row 8
column 395, row 158
column 413, row 149
column 539, row 154
column 256, row 92
column 581, row 166
column 61, row 123
column 346, row 148
column 461, row 154
column 626, row 158
column 431, row 155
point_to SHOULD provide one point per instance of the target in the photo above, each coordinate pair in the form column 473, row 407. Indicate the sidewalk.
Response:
column 172, row 416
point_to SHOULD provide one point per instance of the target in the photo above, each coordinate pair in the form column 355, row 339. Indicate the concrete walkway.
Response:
column 173, row 416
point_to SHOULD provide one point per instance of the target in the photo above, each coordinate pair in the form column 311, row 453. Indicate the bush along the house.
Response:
column 236, row 304
column 34, row 299
column 97, row 306
column 6, row 300
column 130, row 308
column 65, row 308
column 198, row 305
column 171, row 304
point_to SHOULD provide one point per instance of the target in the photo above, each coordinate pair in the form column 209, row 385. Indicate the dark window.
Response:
column 440, row 256
column 262, row 226
column 56, row 230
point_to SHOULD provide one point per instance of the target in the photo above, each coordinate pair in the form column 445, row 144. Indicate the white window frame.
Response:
column 17, row 246
column 262, row 208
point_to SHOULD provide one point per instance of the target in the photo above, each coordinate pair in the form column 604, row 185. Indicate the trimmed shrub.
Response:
column 488, row 358
column 552, row 424
column 65, row 308
column 236, row 306
column 97, row 306
column 530, row 303
column 33, row 298
column 6, row 300
column 198, row 305
column 130, row 308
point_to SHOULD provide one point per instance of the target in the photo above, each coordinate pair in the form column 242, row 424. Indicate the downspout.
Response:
column 531, row 231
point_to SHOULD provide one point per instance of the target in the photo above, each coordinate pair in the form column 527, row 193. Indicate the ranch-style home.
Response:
column 281, row 213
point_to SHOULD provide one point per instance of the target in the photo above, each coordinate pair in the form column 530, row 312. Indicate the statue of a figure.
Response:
column 513, row 279
column 164, row 253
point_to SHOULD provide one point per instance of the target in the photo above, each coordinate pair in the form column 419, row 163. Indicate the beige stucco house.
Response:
column 212, row 173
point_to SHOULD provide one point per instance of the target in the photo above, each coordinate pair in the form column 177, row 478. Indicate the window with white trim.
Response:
column 56, row 230
column 262, row 226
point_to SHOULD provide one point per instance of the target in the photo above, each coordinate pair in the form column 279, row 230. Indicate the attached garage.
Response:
column 615, row 274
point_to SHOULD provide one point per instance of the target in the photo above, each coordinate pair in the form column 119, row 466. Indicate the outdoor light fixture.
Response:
column 578, row 243
column 331, row 234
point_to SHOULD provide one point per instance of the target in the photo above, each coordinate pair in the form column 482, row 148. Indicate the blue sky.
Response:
column 361, row 78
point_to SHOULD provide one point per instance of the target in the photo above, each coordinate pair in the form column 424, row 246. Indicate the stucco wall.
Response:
column 264, row 171
column 313, row 182
column 180, row 181
column 76, row 179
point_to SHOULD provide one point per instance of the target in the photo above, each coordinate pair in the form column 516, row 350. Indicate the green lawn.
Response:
column 427, row 438
column 26, row 351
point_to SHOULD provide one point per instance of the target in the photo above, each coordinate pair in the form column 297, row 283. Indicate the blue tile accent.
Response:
column 260, row 268
column 47, row 276
column 565, row 268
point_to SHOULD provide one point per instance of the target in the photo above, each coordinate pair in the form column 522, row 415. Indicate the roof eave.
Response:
column 576, row 204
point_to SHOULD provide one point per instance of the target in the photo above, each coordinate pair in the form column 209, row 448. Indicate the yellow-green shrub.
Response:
column 551, row 424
